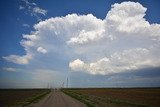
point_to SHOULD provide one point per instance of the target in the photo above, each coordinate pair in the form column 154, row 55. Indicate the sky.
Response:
column 106, row 43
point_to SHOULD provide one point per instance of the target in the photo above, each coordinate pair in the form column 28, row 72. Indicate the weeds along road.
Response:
column 58, row 99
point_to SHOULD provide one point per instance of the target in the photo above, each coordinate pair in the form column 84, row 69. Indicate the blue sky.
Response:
column 90, row 42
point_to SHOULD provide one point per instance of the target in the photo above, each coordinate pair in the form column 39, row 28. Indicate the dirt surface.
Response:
column 58, row 99
column 144, row 96
column 10, row 97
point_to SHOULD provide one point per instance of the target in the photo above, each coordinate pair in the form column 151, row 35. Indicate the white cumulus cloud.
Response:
column 118, row 62
column 77, row 65
column 123, row 41
column 41, row 50
column 127, row 17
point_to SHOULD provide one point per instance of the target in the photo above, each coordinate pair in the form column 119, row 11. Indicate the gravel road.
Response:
column 58, row 99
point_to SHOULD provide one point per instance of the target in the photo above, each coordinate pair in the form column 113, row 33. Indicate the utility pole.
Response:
column 63, row 85
column 67, row 82
column 48, row 86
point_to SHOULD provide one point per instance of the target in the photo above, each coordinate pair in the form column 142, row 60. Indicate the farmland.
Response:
column 92, row 97
column 19, row 97
column 117, row 97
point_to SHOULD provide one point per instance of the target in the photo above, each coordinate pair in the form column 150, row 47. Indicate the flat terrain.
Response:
column 10, row 97
column 92, row 97
column 58, row 99
column 117, row 96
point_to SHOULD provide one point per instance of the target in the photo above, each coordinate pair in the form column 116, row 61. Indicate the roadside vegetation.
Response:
column 21, row 97
column 81, row 97
column 116, row 97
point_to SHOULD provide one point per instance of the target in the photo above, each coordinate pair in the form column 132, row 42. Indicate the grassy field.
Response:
column 20, row 97
column 117, row 97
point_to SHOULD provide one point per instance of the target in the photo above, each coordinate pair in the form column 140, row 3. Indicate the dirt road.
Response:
column 58, row 99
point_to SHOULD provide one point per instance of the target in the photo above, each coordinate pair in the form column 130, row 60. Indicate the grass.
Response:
column 34, row 99
column 82, row 98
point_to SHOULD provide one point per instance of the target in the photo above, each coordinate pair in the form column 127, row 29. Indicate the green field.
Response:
column 20, row 97
column 116, row 97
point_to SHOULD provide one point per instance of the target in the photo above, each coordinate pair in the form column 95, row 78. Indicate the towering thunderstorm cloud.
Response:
column 123, row 41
